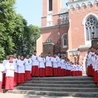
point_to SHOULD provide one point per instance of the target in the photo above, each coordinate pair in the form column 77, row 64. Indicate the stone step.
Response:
column 34, row 80
column 58, row 85
column 60, row 89
column 61, row 82
column 56, row 93
column 61, row 78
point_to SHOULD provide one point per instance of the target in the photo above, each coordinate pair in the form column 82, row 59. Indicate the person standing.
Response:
column 16, row 69
column 35, row 65
column 55, row 66
column 9, row 84
column 59, row 65
column 1, row 71
column 62, row 66
column 28, row 63
column 49, row 69
column 41, row 60
column 4, row 73
column 21, row 70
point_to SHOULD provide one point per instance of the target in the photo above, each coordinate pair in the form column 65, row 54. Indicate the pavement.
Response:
column 26, row 96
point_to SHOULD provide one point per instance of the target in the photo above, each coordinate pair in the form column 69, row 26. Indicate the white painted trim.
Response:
column 48, row 43
column 80, row 2
column 39, row 38
column 84, row 20
column 83, row 23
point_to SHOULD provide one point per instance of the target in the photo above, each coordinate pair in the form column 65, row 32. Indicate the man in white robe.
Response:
column 35, row 65
column 16, row 69
column 21, row 70
column 55, row 65
column 9, row 74
column 41, row 60
column 28, row 63
column 1, row 78
column 49, row 68
column 4, row 73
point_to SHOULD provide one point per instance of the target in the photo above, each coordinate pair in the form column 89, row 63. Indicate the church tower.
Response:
column 54, row 27
column 50, row 8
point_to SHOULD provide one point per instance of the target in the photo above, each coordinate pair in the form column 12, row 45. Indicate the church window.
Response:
column 91, row 28
column 50, row 5
column 64, row 40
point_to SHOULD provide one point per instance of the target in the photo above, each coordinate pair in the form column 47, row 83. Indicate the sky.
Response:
column 31, row 10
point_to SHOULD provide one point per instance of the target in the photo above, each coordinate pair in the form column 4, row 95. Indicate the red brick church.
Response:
column 68, row 30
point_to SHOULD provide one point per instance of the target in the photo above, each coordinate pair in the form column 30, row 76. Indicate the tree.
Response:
column 15, row 34
column 7, row 17
column 34, row 33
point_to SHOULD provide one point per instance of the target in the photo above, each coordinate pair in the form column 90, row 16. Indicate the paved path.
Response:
column 26, row 96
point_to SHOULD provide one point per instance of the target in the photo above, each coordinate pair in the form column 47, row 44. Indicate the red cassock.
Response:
column 96, row 76
column 59, row 71
column 55, row 72
column 9, row 85
column 49, row 71
column 76, row 73
column 27, row 75
column 62, row 72
column 0, row 86
column 89, row 70
column 73, row 73
column 35, row 71
column 41, row 72
column 3, row 82
column 15, row 78
column 21, row 77
column 80, row 73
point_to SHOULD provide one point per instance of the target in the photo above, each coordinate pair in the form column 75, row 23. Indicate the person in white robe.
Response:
column 9, row 85
column 28, row 64
column 49, row 67
column 16, row 69
column 35, row 65
column 42, row 61
column 59, row 65
column 21, row 70
column 4, row 72
column 2, row 68
column 55, row 65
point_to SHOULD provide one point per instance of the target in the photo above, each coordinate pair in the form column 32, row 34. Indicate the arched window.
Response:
column 64, row 40
column 91, row 25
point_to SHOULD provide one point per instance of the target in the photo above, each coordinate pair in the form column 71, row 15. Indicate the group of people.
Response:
column 92, row 64
column 18, row 70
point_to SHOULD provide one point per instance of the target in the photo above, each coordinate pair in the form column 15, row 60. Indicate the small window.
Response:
column 64, row 40
column 50, row 5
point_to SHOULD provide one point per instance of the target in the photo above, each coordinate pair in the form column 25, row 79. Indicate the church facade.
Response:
column 68, row 30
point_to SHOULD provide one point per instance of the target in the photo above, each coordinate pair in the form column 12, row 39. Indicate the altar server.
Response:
column 4, row 73
column 62, row 66
column 1, row 74
column 41, row 60
column 59, row 65
column 49, row 69
column 21, row 70
column 16, row 68
column 55, row 65
column 9, row 74
column 28, row 63
column 35, row 65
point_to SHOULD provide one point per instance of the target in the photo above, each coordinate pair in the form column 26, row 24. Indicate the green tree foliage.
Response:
column 15, row 34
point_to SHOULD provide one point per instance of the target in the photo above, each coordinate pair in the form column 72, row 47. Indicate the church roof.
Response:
column 63, row 10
